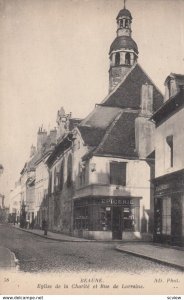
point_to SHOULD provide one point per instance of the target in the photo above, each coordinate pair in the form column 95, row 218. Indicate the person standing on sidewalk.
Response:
column 44, row 226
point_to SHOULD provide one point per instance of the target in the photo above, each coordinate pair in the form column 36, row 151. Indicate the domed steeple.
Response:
column 123, row 50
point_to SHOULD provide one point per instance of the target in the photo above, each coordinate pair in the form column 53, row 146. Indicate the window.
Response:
column 105, row 218
column 117, row 59
column 127, row 59
column 84, row 172
column 166, row 215
column 118, row 173
column 61, row 177
column 126, row 23
column 81, row 218
column 50, row 184
column 128, row 218
column 55, row 178
column 169, row 151
column 121, row 23
column 69, row 171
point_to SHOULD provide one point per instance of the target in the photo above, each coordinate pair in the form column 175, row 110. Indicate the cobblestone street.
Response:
column 36, row 254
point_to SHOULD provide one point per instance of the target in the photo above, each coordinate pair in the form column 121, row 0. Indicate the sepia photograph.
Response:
column 91, row 148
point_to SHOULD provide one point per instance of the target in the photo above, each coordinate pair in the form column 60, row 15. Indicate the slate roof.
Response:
column 120, row 138
column 110, row 128
column 128, row 93
column 123, row 42
column 91, row 136
column 169, row 107
column 93, row 128
column 124, row 12
column 101, row 116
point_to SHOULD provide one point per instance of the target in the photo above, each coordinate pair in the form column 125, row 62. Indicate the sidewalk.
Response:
column 158, row 253
column 53, row 236
column 7, row 258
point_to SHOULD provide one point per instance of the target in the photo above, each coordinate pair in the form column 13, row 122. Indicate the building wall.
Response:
column 15, row 200
column 41, row 184
column 137, row 181
column 60, row 198
column 173, row 126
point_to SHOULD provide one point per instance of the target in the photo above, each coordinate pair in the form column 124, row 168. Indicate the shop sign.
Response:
column 170, row 186
column 113, row 201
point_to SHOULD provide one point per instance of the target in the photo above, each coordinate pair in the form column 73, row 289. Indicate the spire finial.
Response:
column 124, row 3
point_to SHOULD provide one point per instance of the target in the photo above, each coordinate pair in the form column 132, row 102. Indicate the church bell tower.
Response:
column 123, row 52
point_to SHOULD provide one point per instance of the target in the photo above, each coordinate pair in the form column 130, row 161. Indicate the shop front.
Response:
column 114, row 218
column 169, row 209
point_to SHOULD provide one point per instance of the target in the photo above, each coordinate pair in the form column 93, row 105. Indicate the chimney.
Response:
column 144, row 128
column 53, row 136
column 146, row 100
column 41, row 138
column 33, row 151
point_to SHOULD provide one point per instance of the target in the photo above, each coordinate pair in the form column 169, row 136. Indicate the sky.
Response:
column 54, row 53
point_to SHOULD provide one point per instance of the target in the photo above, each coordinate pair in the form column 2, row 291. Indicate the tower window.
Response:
column 126, row 24
column 120, row 23
column 127, row 59
column 117, row 59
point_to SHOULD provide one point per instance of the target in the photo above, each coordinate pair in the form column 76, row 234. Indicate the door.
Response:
column 117, row 223
column 176, row 221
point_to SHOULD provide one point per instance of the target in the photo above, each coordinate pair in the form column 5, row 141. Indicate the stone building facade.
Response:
column 169, row 164
column 106, row 155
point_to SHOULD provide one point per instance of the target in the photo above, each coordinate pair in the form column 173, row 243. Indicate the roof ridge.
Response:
column 108, row 130
column 150, row 79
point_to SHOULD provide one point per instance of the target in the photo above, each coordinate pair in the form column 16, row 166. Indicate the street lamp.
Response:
column 1, row 169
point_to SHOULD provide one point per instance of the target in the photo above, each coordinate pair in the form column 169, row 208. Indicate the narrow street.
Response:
column 36, row 254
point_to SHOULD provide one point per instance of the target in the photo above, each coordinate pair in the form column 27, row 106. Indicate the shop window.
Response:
column 128, row 219
column 117, row 59
column 118, row 173
column 69, row 171
column 166, row 216
column 81, row 218
column 169, row 151
column 105, row 218
column 158, row 216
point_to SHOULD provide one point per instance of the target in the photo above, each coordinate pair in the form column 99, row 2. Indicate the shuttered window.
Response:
column 118, row 173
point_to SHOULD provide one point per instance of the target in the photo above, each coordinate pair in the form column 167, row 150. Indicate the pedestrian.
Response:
column 45, row 226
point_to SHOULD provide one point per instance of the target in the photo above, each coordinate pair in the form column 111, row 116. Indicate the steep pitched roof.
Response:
column 171, row 106
column 128, row 92
column 94, row 126
column 91, row 136
column 120, row 138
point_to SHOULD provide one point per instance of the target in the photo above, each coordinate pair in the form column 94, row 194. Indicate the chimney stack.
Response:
column 147, row 100
column 41, row 138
